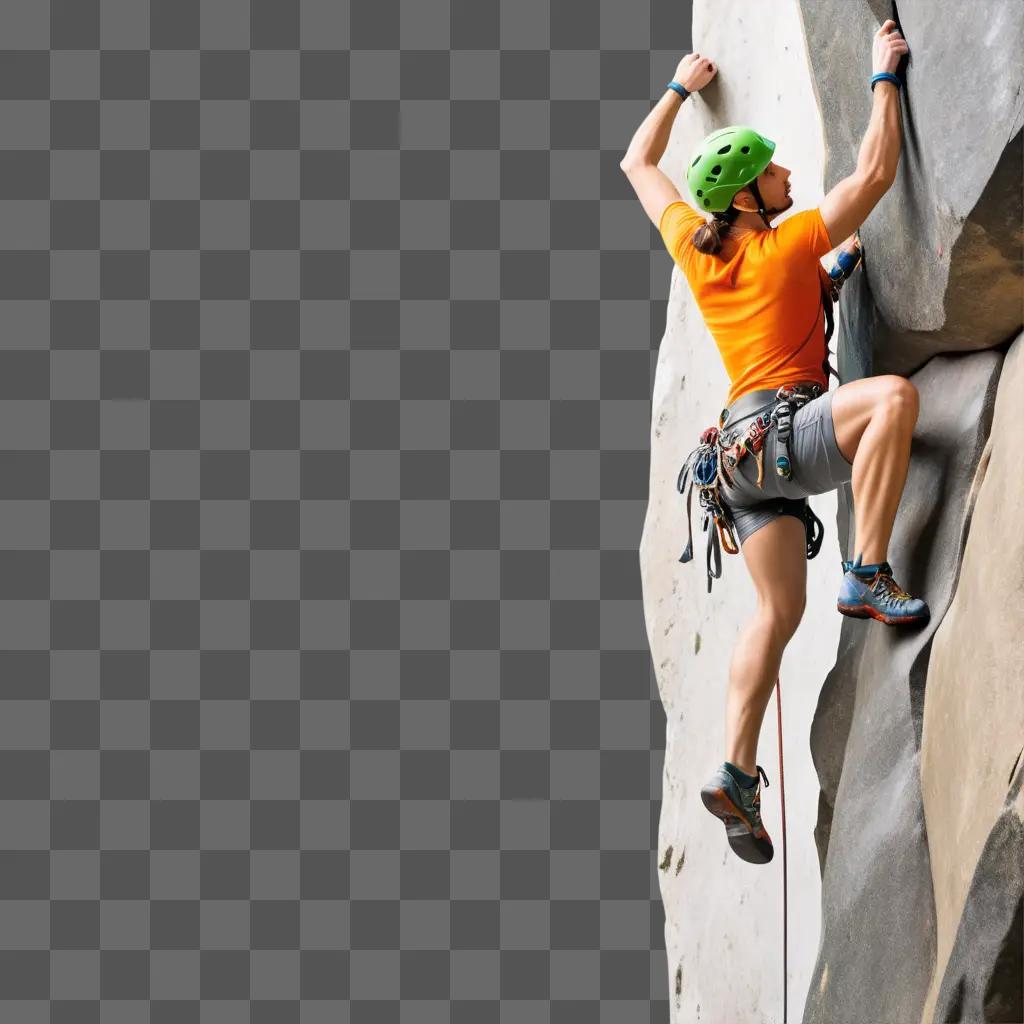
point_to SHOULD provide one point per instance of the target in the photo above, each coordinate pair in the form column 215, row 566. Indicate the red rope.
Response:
column 785, row 893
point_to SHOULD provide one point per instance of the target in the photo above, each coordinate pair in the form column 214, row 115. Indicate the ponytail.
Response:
column 708, row 239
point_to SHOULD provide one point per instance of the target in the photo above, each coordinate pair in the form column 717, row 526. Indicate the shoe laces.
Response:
column 755, row 791
column 886, row 586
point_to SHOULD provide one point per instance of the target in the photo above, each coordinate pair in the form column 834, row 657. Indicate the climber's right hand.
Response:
column 889, row 48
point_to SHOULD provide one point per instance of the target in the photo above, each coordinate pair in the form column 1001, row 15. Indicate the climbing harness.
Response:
column 715, row 460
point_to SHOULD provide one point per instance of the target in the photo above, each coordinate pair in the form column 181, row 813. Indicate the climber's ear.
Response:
column 744, row 200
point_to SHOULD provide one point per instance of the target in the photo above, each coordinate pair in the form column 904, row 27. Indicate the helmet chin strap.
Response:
column 761, row 209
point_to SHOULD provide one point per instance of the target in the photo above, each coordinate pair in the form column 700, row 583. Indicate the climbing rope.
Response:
column 785, row 892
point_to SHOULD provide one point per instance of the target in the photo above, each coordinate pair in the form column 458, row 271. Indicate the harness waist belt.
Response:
column 753, row 402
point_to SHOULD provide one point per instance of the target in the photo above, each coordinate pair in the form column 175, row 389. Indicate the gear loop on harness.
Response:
column 712, row 462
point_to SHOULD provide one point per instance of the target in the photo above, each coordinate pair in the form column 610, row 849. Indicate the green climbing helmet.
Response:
column 724, row 162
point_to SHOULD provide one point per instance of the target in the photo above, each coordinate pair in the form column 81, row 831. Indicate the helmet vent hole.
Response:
column 712, row 180
column 717, row 169
column 725, row 149
column 745, row 149
column 700, row 192
column 707, row 202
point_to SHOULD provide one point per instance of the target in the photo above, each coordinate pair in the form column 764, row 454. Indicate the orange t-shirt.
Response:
column 763, row 306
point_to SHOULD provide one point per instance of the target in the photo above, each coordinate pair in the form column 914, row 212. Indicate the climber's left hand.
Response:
column 695, row 70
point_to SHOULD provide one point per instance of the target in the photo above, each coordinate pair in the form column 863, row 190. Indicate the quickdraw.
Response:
column 703, row 468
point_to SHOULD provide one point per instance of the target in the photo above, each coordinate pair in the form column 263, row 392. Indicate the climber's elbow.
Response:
column 878, row 181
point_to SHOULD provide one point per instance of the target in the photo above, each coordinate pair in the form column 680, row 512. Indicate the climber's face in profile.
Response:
column 773, row 184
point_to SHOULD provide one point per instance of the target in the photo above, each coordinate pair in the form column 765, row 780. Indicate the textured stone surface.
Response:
column 920, row 849
column 878, row 919
column 984, row 977
column 974, row 721
column 943, row 248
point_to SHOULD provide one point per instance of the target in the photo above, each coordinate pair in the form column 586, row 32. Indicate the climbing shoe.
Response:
column 870, row 592
column 739, row 807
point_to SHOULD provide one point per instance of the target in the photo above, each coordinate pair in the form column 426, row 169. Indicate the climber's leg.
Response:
column 873, row 420
column 776, row 557
column 881, row 457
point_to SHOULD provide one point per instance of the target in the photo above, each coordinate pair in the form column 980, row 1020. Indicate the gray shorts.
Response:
column 818, row 466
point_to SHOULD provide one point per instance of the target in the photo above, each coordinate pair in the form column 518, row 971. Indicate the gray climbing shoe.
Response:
column 739, row 808
column 878, row 597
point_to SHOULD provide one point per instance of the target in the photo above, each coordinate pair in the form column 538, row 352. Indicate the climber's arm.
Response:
column 847, row 206
column 653, row 187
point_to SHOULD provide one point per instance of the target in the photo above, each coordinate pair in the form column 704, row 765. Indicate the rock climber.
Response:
column 759, row 290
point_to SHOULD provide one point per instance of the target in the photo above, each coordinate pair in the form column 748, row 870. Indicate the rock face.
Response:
column 943, row 247
column 878, row 917
column 917, row 735
column 911, row 804
column 972, row 769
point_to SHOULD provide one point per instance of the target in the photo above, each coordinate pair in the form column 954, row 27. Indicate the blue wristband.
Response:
column 885, row 76
column 678, row 88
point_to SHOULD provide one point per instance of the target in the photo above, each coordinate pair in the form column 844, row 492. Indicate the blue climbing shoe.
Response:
column 739, row 807
column 876, row 595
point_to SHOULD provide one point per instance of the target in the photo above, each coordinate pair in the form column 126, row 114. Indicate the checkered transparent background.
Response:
column 328, row 336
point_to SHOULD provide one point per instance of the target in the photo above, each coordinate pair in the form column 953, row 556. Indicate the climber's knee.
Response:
column 899, row 399
column 780, row 625
column 781, row 615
